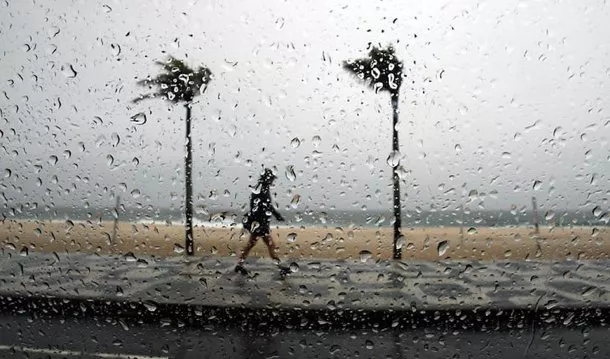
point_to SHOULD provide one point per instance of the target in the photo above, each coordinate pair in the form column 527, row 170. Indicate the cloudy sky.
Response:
column 498, row 95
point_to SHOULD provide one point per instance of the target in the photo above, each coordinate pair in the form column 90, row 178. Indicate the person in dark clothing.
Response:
column 257, row 221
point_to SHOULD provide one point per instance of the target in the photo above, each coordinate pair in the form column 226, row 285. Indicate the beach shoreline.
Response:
column 308, row 243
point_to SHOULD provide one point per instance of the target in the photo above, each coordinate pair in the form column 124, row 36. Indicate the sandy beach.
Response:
column 299, row 243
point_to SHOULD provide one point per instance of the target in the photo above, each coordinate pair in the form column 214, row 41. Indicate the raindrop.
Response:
column 53, row 160
column 393, row 159
column 458, row 148
column 292, row 237
column 400, row 242
column 549, row 215
column 537, row 185
column 67, row 154
column 109, row 160
column 597, row 211
column 442, row 248
column 115, row 139
column 178, row 248
column 107, row 8
column 7, row 173
column 135, row 193
column 369, row 344
column 130, row 257
column 294, row 203
column 294, row 267
column 135, row 161
column 68, row 71
column 316, row 140
column 295, row 143
column 139, row 118
column 472, row 231
column 375, row 73
column 24, row 251
column 53, row 31
column 290, row 175
column 440, row 74
column 587, row 292
column 365, row 256
column 150, row 305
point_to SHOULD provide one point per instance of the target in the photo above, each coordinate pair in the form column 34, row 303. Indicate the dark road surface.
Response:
column 24, row 337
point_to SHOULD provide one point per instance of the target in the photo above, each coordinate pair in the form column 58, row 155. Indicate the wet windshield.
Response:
column 269, row 168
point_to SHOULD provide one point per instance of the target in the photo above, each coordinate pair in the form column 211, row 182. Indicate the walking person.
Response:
column 257, row 222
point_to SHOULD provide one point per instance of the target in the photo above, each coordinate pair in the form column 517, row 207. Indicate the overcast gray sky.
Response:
column 503, row 94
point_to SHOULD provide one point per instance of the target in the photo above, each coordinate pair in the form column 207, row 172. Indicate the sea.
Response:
column 312, row 218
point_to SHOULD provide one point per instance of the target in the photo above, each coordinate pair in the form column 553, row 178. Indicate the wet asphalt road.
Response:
column 24, row 337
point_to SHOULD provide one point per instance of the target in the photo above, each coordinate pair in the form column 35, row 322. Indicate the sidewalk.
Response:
column 315, row 285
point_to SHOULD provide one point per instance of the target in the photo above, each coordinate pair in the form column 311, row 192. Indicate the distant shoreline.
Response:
column 284, row 225
column 310, row 242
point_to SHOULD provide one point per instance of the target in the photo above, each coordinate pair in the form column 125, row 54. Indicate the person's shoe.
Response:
column 241, row 269
column 284, row 271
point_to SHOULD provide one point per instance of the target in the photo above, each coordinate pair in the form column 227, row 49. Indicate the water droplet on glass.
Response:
column 588, row 291
column 109, row 160
column 537, row 185
column 472, row 231
column 393, row 159
column 24, row 251
column 130, row 257
column 150, row 305
column 295, row 143
column 139, row 118
column 135, row 161
column 597, row 211
column 291, row 237
column 69, row 71
column 365, row 255
column 290, row 175
column 369, row 345
column 375, row 72
column 135, row 193
column 294, row 267
column 7, row 173
column 115, row 139
column 400, row 241
column 294, row 202
column 178, row 248
column 442, row 248
column 316, row 140
column 458, row 148
column 53, row 160
column 549, row 215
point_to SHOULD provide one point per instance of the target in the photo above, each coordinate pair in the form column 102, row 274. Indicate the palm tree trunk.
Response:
column 396, row 195
column 188, row 170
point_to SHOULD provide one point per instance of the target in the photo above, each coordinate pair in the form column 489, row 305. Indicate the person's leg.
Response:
column 272, row 248
column 244, row 252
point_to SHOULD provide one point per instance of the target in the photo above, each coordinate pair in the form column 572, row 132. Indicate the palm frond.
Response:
column 381, row 70
column 177, row 82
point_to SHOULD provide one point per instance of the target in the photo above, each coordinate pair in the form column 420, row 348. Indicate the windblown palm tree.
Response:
column 382, row 71
column 178, row 83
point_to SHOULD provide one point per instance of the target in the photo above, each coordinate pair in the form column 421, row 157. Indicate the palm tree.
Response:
column 179, row 83
column 382, row 71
